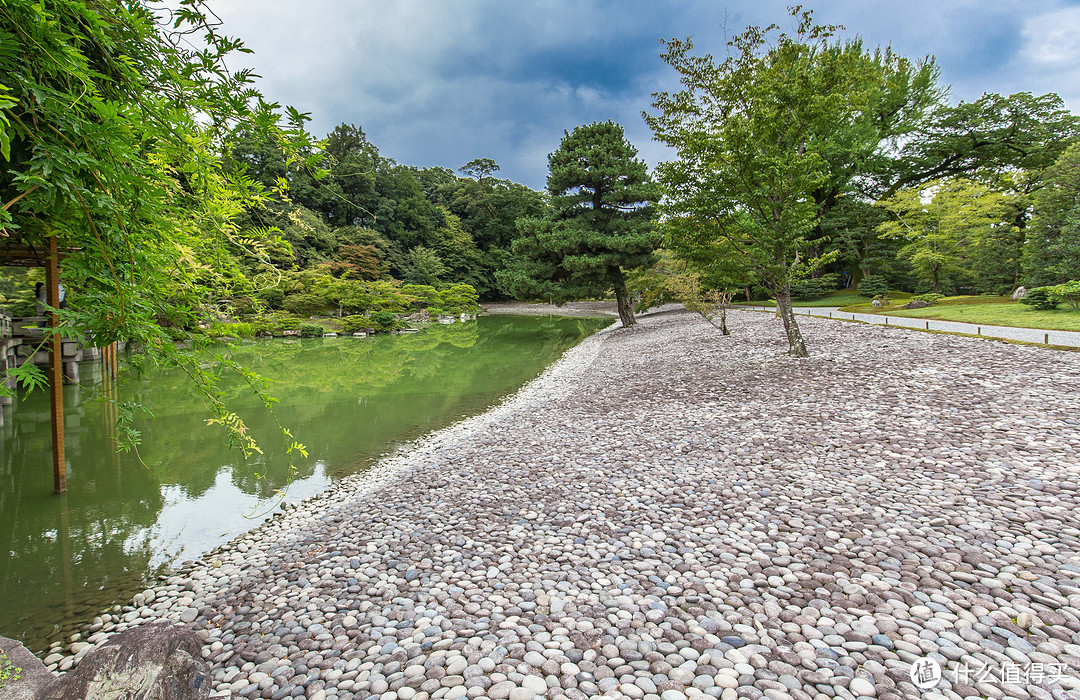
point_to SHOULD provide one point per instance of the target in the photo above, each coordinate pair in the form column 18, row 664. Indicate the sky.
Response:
column 441, row 82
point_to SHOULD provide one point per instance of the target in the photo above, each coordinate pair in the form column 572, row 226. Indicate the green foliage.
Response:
column 942, row 220
column 873, row 286
column 980, row 140
column 1068, row 292
column 305, row 305
column 1052, row 250
column 272, row 297
column 929, row 298
column 767, row 137
column 425, row 267
column 274, row 324
column 383, row 321
column 355, row 324
column 216, row 329
column 9, row 673
column 458, row 298
column 815, row 287
column 599, row 226
column 1040, row 299
column 114, row 120
column 311, row 330
column 421, row 296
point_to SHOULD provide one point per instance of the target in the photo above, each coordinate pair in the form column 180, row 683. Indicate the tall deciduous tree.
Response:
column 599, row 226
column 765, row 138
column 1052, row 251
column 943, row 224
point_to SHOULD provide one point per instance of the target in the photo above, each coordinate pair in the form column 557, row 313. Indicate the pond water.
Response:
column 126, row 516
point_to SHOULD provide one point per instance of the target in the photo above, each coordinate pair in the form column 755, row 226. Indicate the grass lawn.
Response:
column 987, row 311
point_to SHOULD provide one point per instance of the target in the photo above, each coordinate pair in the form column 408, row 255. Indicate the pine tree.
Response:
column 599, row 225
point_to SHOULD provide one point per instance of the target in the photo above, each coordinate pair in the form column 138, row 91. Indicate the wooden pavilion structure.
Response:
column 16, row 253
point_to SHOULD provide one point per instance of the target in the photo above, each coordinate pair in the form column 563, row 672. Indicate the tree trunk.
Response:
column 796, row 346
column 622, row 300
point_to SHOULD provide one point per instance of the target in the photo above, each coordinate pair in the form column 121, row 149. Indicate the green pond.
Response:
column 126, row 516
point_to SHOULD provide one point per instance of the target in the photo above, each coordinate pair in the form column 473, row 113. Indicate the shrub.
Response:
column 274, row 323
column 1040, row 299
column 873, row 286
column 304, row 304
column 311, row 330
column 231, row 330
column 354, row 324
column 421, row 296
column 929, row 297
column 272, row 297
column 242, row 305
column 1068, row 292
column 383, row 321
column 815, row 288
column 458, row 298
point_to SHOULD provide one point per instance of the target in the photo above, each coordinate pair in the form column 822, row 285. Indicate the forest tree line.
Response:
column 803, row 162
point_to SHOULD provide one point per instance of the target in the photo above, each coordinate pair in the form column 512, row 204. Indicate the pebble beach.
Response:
column 668, row 513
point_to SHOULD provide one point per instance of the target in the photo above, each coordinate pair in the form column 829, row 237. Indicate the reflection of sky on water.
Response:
column 187, row 528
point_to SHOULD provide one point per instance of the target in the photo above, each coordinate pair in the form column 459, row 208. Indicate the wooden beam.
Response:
column 56, row 367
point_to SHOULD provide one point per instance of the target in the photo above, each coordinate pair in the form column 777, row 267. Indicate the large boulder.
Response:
column 33, row 676
column 917, row 304
column 1019, row 293
column 152, row 662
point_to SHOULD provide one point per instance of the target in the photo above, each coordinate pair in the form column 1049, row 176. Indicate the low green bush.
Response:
column 311, row 330
column 929, row 297
column 355, row 324
column 873, row 286
column 383, row 321
column 304, row 304
column 1068, row 292
column 274, row 323
column 815, row 288
column 1041, row 299
column 458, row 298
column 272, row 297
column 231, row 330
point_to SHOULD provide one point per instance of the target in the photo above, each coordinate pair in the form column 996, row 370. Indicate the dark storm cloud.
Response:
column 439, row 83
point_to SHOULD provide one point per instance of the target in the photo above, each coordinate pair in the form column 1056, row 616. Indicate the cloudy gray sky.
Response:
column 440, row 82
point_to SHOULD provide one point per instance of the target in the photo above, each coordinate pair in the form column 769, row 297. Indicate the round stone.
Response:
column 862, row 688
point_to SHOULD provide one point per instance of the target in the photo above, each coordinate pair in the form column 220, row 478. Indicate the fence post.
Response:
column 1046, row 338
column 927, row 325
column 978, row 330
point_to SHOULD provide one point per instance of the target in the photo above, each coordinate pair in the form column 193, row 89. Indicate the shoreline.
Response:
column 665, row 513
column 405, row 457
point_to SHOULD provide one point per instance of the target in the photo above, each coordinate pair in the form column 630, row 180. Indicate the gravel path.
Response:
column 668, row 514
column 1027, row 335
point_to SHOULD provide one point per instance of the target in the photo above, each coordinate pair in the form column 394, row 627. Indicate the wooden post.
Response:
column 56, row 367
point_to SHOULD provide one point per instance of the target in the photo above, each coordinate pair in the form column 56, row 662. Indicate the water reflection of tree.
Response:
column 62, row 551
